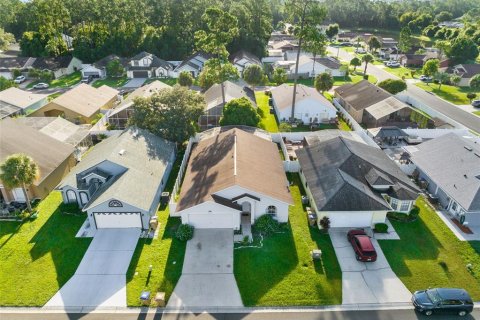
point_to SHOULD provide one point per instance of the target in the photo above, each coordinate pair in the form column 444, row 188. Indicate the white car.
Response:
column 425, row 78
column 360, row 50
column 19, row 79
column 41, row 85
column 393, row 64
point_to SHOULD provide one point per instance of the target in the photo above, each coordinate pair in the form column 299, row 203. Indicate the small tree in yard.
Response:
column 324, row 82
column 455, row 79
column 355, row 62
column 367, row 59
column 430, row 67
column 240, row 112
column 16, row 72
column 19, row 171
column 253, row 75
column 285, row 127
column 393, row 86
column 184, row 232
column 185, row 79
column 332, row 30
column 471, row 96
column 475, row 82
column 279, row 76
column 115, row 68
column 442, row 78
column 6, row 83
column 374, row 44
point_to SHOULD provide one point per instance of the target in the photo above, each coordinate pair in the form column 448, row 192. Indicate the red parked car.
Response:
column 362, row 245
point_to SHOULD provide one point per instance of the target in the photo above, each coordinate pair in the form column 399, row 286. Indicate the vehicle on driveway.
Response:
column 425, row 78
column 393, row 64
column 19, row 79
column 362, row 245
column 41, row 85
column 87, row 79
column 476, row 103
column 442, row 301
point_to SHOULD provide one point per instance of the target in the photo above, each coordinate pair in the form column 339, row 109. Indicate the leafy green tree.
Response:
column 315, row 43
column 5, row 39
column 443, row 46
column 56, row 46
column 405, row 41
column 185, row 79
column 32, row 44
column 393, row 86
column 442, row 78
column 170, row 113
column 214, row 72
column 332, row 30
column 324, row 82
column 115, row 69
column 373, row 44
column 6, row 83
column 253, row 75
column 355, row 62
column 240, row 112
column 367, row 59
column 455, row 79
column 279, row 76
column 16, row 72
column 19, row 171
column 471, row 96
column 443, row 16
column 430, row 67
column 475, row 82
column 462, row 50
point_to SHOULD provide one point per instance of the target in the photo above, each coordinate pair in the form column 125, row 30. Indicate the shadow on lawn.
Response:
column 57, row 238
column 9, row 228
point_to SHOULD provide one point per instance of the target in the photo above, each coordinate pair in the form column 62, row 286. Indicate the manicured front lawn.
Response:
column 456, row 95
column 400, row 72
column 477, row 113
column 169, row 81
column 429, row 254
column 338, row 81
column 269, row 121
column 111, row 82
column 38, row 257
column 165, row 254
column 62, row 82
column 282, row 273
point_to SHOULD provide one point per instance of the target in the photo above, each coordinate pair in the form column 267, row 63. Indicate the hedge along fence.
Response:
column 419, row 118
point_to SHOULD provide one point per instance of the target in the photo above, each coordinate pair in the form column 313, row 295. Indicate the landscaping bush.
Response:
column 267, row 225
column 381, row 227
column 184, row 232
column 325, row 223
column 403, row 217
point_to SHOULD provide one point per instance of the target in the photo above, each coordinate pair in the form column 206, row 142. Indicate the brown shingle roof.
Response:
column 233, row 157
column 362, row 94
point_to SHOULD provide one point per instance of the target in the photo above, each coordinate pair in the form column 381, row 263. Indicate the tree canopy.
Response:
column 279, row 76
column 393, row 86
column 475, row 82
column 115, row 68
column 355, row 62
column 430, row 67
column 253, row 75
column 6, row 83
column 185, row 79
column 240, row 112
column 462, row 50
column 324, row 82
column 374, row 44
column 171, row 113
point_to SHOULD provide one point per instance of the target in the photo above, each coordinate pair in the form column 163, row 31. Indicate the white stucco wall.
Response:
column 306, row 109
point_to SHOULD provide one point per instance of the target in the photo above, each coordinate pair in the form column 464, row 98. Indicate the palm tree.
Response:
column 19, row 171
column 324, row 82
column 367, row 58
column 441, row 77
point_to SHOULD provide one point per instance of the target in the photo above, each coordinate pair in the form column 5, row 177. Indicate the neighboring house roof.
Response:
column 16, row 63
column 387, row 132
column 329, row 62
column 144, row 157
column 282, row 95
column 102, row 63
column 156, row 62
column 47, row 152
column 284, row 44
column 467, row 71
column 336, row 172
column 144, row 91
column 323, row 135
column 233, row 158
column 57, row 128
column 20, row 98
column 194, row 60
column 86, row 100
column 242, row 54
column 385, row 107
column 453, row 164
column 362, row 94
column 214, row 96
column 415, row 57
column 52, row 63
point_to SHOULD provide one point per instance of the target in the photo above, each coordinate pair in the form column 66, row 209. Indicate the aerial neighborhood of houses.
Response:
column 337, row 170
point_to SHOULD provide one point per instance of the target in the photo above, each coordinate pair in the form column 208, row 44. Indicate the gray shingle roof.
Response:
column 145, row 159
column 454, row 168
column 336, row 172
column 214, row 98
column 362, row 94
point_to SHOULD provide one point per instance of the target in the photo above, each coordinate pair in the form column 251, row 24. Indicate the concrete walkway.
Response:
column 100, row 279
column 362, row 283
column 134, row 83
column 207, row 276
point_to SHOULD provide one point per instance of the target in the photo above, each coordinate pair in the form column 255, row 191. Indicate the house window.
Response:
column 115, row 204
column 454, row 206
column 272, row 210
column 83, row 198
column 394, row 203
column 71, row 196
column 405, row 206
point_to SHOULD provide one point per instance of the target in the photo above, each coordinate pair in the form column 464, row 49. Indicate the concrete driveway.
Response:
column 100, row 279
column 366, row 283
column 135, row 83
column 207, row 276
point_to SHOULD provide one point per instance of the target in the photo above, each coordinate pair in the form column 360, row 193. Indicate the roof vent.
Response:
column 468, row 148
column 121, row 152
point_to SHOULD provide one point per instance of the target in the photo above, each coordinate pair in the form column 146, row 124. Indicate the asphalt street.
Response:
column 450, row 110
column 274, row 315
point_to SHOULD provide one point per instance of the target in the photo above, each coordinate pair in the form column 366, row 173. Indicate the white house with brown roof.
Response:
column 233, row 178
column 310, row 106
column 310, row 67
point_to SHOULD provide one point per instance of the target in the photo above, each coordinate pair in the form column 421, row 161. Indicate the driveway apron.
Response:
column 100, row 279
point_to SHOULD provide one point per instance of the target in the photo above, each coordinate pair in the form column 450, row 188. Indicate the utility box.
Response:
column 165, row 197
column 160, row 299
column 145, row 298
column 316, row 254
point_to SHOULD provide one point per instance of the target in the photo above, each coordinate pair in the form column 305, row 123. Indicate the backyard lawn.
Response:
column 111, row 82
column 38, row 257
column 282, row 273
column 429, row 254
column 338, row 81
column 169, row 81
column 165, row 254
column 269, row 122
column 456, row 95
column 62, row 82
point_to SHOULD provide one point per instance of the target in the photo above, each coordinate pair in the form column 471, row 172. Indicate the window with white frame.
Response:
column 405, row 206
column 394, row 203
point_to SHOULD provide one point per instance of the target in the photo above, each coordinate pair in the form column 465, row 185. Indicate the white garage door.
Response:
column 350, row 219
column 212, row 220
column 117, row 219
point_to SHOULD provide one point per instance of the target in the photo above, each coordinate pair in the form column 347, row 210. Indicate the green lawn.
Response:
column 282, row 272
column 269, row 121
column 39, row 256
column 476, row 113
column 62, row 82
column 429, row 254
column 169, row 81
column 338, row 81
column 456, row 95
column 111, row 82
column 400, row 72
column 165, row 254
